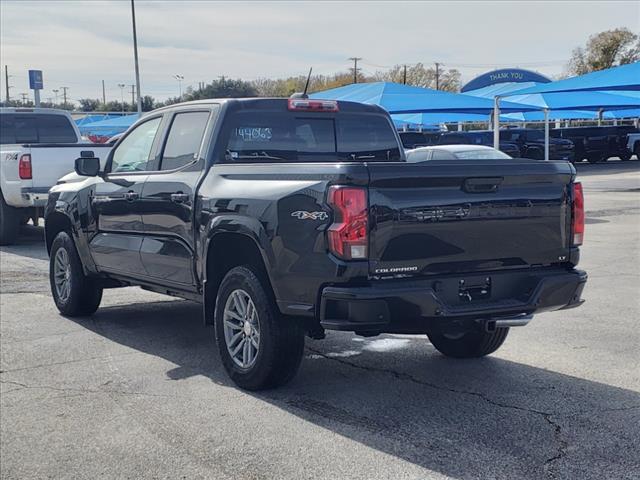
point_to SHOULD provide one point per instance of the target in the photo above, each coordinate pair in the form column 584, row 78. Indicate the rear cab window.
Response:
column 18, row 128
column 277, row 136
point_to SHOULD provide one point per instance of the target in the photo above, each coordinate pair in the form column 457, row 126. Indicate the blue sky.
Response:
column 79, row 43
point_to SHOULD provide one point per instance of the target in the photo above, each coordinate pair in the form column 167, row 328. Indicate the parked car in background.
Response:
column 530, row 141
column 454, row 152
column 477, row 137
column 597, row 144
column 633, row 145
column 418, row 139
column 37, row 147
column 285, row 218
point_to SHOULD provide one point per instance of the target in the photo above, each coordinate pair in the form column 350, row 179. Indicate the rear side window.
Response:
column 25, row 128
column 265, row 136
column 367, row 137
column 184, row 139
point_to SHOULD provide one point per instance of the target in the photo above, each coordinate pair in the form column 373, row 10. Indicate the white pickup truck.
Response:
column 37, row 147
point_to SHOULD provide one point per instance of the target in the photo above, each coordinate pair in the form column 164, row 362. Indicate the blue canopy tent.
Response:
column 500, row 89
column 398, row 98
column 438, row 118
column 624, row 77
column 505, row 89
column 93, row 118
column 110, row 127
column 612, row 89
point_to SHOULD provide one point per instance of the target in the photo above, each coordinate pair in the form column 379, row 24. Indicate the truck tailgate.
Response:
column 468, row 216
column 51, row 161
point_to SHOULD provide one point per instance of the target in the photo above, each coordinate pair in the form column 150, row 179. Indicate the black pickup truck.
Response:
column 289, row 217
column 597, row 144
column 530, row 141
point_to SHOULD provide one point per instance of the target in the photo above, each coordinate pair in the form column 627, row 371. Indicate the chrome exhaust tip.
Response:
column 517, row 321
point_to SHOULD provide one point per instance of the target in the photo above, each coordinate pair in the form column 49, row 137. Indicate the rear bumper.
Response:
column 34, row 197
column 400, row 306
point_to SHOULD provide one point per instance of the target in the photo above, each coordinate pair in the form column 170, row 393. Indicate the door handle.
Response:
column 131, row 196
column 180, row 197
column 482, row 185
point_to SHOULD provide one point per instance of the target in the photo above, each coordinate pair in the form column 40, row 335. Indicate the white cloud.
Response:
column 78, row 44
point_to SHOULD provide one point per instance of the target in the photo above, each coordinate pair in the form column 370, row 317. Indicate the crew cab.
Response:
column 597, row 144
column 37, row 147
column 287, row 217
column 530, row 141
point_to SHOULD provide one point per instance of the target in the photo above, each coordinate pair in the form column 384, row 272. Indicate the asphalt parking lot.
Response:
column 137, row 390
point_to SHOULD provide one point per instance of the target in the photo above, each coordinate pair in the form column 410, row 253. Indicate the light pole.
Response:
column 179, row 78
column 135, row 55
column 122, row 85
column 55, row 91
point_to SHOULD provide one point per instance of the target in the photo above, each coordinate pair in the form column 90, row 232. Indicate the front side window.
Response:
column 132, row 155
column 184, row 139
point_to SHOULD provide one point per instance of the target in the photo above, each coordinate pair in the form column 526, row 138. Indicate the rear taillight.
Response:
column 577, row 214
column 348, row 235
column 24, row 167
column 305, row 105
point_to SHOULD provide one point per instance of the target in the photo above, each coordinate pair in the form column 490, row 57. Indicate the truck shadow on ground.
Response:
column 610, row 167
column 30, row 243
column 488, row 418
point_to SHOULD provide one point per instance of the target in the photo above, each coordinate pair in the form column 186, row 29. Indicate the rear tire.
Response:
column 471, row 344
column 9, row 223
column 274, row 343
column 74, row 294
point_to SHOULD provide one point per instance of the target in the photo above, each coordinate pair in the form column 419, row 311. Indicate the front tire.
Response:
column 259, row 348
column 470, row 344
column 74, row 293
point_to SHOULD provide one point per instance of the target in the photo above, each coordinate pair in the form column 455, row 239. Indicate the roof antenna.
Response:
column 306, row 87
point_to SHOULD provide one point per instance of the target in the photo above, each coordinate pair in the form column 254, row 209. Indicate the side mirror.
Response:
column 87, row 166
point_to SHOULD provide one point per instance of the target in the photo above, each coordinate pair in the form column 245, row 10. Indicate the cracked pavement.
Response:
column 137, row 391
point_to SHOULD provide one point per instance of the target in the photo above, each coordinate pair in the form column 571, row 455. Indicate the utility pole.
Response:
column 355, row 68
column 437, row 76
column 104, row 97
column 135, row 55
column 24, row 98
column 6, row 83
column 404, row 76
column 133, row 95
column 64, row 96
column 122, row 85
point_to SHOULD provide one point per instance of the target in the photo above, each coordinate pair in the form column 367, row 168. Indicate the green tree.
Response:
column 605, row 50
column 90, row 104
column 222, row 88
